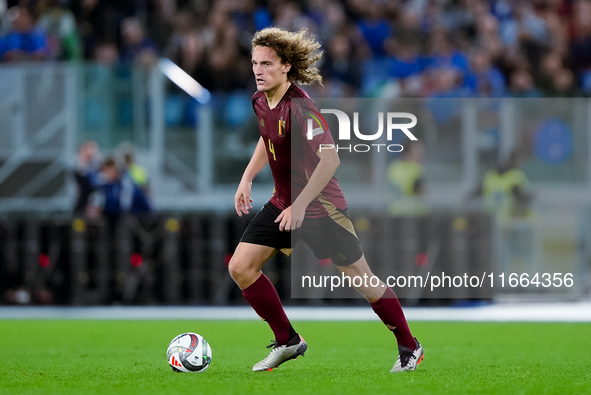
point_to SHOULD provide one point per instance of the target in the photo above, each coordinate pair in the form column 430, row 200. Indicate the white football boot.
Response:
column 408, row 359
column 279, row 354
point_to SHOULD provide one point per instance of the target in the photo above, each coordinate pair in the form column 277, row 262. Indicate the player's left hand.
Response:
column 291, row 218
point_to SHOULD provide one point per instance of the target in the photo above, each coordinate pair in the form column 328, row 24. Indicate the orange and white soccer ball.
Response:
column 189, row 353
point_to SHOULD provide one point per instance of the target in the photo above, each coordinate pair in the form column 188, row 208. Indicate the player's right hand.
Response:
column 242, row 198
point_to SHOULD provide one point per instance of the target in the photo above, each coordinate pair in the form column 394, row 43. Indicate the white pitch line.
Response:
column 530, row 312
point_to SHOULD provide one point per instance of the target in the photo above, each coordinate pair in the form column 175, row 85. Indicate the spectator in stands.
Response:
column 564, row 84
column 186, row 47
column 62, row 34
column 136, row 47
column 23, row 42
column 404, row 53
column 522, row 23
column 551, row 64
column 101, row 20
column 580, row 46
column 372, row 24
column 242, row 14
column 556, row 14
column 290, row 17
column 407, row 24
column 229, row 66
column 158, row 16
column 432, row 16
column 529, row 31
column 404, row 67
column 262, row 17
column 488, row 36
column 342, row 73
column 443, row 82
column 3, row 7
column 89, row 20
column 522, row 84
column 442, row 54
column 484, row 79
column 106, row 53
column 86, row 174
column 330, row 18
column 459, row 17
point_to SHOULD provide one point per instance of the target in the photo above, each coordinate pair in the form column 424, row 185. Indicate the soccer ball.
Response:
column 189, row 353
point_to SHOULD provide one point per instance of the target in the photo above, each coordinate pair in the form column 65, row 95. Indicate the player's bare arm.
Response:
column 292, row 217
column 259, row 160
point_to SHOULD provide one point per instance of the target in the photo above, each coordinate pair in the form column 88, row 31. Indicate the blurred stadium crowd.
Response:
column 394, row 48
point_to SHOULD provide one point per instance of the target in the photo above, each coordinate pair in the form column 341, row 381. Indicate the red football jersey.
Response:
column 292, row 156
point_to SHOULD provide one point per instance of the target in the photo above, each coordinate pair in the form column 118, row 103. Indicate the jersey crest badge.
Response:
column 262, row 123
column 281, row 128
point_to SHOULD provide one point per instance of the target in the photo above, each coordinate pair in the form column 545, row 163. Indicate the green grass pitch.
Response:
column 128, row 357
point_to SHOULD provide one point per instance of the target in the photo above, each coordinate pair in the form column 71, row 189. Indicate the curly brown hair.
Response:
column 300, row 49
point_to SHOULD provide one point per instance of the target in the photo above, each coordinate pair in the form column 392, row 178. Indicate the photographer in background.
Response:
column 86, row 174
column 120, row 193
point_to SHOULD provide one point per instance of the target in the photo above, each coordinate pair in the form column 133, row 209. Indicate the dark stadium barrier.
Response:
column 34, row 261
column 181, row 259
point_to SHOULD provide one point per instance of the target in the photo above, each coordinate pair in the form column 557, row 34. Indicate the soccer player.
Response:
column 307, row 203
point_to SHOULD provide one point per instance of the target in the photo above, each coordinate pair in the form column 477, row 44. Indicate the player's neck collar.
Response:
column 289, row 84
